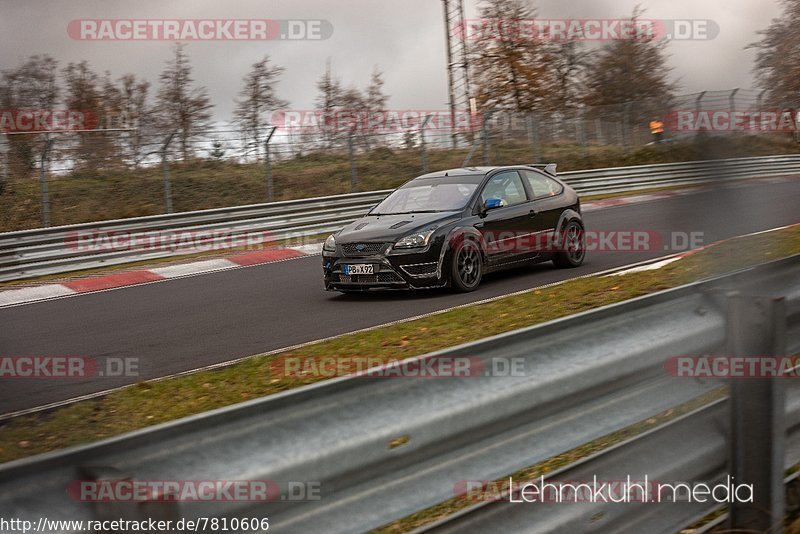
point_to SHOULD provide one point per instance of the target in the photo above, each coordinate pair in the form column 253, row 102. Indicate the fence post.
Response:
column 756, row 326
column 626, row 135
column 268, row 164
column 468, row 158
column 4, row 179
column 165, row 173
column 760, row 99
column 533, row 136
column 598, row 126
column 48, row 143
column 423, row 146
column 732, row 99
column 487, row 159
column 698, row 102
column 580, row 133
column 353, row 171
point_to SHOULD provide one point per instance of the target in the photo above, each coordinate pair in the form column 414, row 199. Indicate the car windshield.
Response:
column 421, row 196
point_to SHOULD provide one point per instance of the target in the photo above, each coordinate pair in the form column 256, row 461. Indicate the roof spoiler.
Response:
column 549, row 168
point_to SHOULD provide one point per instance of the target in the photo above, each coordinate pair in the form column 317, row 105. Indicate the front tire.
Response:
column 466, row 267
column 573, row 246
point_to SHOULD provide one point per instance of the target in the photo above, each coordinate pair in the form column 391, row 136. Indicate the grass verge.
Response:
column 150, row 403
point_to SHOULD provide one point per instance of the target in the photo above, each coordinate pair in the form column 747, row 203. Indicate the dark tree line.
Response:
column 178, row 105
column 509, row 73
column 516, row 71
column 143, row 116
column 777, row 65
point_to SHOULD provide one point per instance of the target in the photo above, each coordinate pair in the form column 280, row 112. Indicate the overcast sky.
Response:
column 404, row 38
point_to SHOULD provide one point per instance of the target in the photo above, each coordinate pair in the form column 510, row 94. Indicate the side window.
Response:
column 542, row 186
column 507, row 186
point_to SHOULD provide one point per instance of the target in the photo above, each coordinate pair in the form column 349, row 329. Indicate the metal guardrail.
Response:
column 382, row 449
column 690, row 448
column 37, row 252
column 622, row 179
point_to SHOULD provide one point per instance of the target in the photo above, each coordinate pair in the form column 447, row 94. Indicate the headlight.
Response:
column 330, row 244
column 414, row 240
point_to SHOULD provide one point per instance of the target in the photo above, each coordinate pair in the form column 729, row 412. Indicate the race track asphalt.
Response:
column 187, row 323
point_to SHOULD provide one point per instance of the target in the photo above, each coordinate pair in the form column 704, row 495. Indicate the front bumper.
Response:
column 414, row 270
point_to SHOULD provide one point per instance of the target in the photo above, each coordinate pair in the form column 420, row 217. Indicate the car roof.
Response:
column 465, row 171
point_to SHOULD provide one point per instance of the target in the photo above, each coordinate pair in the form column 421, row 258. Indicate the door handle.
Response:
column 532, row 213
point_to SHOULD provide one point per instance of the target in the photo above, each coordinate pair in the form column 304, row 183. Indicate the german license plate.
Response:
column 359, row 268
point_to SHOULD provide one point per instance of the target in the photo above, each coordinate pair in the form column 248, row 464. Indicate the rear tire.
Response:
column 466, row 267
column 572, row 249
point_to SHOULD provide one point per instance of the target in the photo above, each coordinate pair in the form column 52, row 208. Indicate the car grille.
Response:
column 420, row 269
column 362, row 249
column 387, row 277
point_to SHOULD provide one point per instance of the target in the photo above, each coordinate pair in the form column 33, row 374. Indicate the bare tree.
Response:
column 257, row 99
column 374, row 100
column 346, row 111
column 778, row 60
column 87, row 93
column 135, row 113
column 567, row 61
column 31, row 85
column 631, row 70
column 510, row 69
column 181, row 107
column 328, row 100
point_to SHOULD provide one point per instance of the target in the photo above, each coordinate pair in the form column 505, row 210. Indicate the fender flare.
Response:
column 455, row 235
column 566, row 216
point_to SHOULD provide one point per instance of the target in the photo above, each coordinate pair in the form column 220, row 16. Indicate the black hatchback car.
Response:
column 449, row 228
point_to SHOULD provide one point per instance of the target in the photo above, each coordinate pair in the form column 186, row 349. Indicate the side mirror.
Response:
column 492, row 203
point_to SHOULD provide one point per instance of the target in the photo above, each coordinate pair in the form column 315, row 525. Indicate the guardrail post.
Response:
column 353, row 171
column 48, row 143
column 757, row 328
column 165, row 172
column 268, row 164
column 533, row 136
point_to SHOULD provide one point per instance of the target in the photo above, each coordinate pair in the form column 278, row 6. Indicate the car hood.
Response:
column 392, row 227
